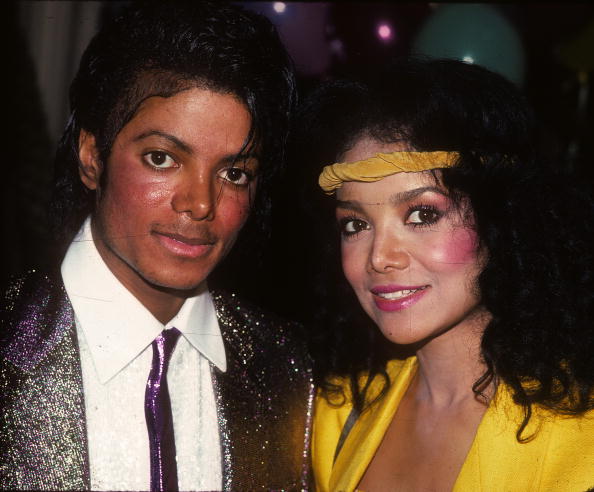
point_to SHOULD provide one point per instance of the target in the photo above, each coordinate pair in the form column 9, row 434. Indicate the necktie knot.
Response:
column 165, row 343
column 163, row 346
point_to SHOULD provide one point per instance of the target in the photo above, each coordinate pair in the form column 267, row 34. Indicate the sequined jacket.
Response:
column 263, row 399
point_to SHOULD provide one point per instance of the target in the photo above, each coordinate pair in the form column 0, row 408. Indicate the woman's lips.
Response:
column 397, row 297
column 184, row 246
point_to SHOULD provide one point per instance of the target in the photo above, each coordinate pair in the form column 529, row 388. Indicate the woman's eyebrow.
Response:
column 408, row 195
column 349, row 205
column 395, row 199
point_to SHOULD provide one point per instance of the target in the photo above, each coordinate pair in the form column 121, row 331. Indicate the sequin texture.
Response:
column 264, row 400
column 42, row 424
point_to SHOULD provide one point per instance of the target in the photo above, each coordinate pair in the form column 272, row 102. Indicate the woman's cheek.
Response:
column 457, row 247
column 351, row 264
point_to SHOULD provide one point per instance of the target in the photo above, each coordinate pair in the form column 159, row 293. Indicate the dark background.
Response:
column 546, row 48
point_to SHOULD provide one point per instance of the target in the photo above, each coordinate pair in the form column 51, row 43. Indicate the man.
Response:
column 124, row 371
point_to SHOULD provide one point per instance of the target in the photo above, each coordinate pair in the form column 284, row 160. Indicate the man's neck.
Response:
column 162, row 302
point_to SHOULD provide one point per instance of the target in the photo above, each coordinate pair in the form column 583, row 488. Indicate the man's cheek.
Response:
column 135, row 191
column 234, row 211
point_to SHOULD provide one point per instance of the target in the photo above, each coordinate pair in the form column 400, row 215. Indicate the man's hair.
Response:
column 159, row 49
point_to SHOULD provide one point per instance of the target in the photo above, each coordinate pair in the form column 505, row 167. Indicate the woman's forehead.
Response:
column 367, row 146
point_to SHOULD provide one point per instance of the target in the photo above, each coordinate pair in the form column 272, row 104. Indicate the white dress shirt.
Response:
column 115, row 332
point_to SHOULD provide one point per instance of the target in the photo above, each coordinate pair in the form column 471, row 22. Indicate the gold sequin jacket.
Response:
column 264, row 398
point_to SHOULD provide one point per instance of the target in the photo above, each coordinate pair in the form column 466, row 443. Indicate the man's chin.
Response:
column 178, row 285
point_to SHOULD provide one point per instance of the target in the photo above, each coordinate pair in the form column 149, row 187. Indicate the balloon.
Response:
column 475, row 33
column 302, row 28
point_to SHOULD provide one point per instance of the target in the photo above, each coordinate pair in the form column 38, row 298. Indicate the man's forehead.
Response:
column 150, row 83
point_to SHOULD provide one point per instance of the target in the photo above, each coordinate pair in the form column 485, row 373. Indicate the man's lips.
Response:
column 193, row 241
column 186, row 246
column 397, row 297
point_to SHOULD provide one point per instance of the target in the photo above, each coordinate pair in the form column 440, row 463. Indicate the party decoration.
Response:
column 474, row 33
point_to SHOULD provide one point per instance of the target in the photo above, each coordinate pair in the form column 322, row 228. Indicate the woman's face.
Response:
column 410, row 255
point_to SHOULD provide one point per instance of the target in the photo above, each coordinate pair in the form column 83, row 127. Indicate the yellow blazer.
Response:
column 560, row 457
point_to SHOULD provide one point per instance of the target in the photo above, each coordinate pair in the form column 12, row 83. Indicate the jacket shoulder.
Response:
column 30, row 288
column 243, row 322
column 34, row 316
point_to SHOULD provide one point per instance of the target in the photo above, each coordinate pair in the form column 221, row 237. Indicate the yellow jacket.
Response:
column 560, row 457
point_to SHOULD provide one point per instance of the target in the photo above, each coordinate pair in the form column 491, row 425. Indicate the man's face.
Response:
column 173, row 199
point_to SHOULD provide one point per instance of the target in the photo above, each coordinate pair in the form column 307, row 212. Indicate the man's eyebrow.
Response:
column 241, row 157
column 395, row 199
column 174, row 140
column 228, row 159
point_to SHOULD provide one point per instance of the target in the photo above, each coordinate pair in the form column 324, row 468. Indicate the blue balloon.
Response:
column 474, row 33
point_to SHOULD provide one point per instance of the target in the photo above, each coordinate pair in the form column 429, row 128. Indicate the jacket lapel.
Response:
column 368, row 431
column 264, row 401
column 496, row 452
column 43, row 431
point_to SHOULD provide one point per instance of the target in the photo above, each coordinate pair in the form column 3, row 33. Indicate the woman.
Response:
column 472, row 256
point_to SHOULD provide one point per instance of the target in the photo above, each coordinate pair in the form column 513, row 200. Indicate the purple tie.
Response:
column 157, row 409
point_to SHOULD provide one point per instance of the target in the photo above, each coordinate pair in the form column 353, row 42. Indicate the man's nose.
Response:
column 196, row 196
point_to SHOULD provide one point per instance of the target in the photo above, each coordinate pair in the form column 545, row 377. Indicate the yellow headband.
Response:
column 382, row 165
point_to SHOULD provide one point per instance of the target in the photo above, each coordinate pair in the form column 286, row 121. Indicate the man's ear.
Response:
column 90, row 166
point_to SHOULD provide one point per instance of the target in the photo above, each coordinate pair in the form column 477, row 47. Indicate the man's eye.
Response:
column 423, row 216
column 350, row 227
column 236, row 176
column 159, row 159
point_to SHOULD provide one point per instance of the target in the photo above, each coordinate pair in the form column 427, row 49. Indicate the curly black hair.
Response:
column 531, row 216
column 159, row 48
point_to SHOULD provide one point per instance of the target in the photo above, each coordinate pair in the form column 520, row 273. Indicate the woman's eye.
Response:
column 236, row 176
column 159, row 159
column 350, row 227
column 423, row 216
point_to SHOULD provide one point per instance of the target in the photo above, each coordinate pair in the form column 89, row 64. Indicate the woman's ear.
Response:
column 90, row 167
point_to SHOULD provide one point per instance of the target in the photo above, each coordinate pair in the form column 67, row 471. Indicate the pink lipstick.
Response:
column 397, row 297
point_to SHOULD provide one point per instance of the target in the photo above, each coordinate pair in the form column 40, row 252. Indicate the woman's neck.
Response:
column 450, row 364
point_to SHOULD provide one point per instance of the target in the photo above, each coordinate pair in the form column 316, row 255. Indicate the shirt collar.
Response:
column 197, row 320
column 116, row 326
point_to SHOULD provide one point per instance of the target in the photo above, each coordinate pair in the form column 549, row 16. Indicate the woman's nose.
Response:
column 388, row 253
